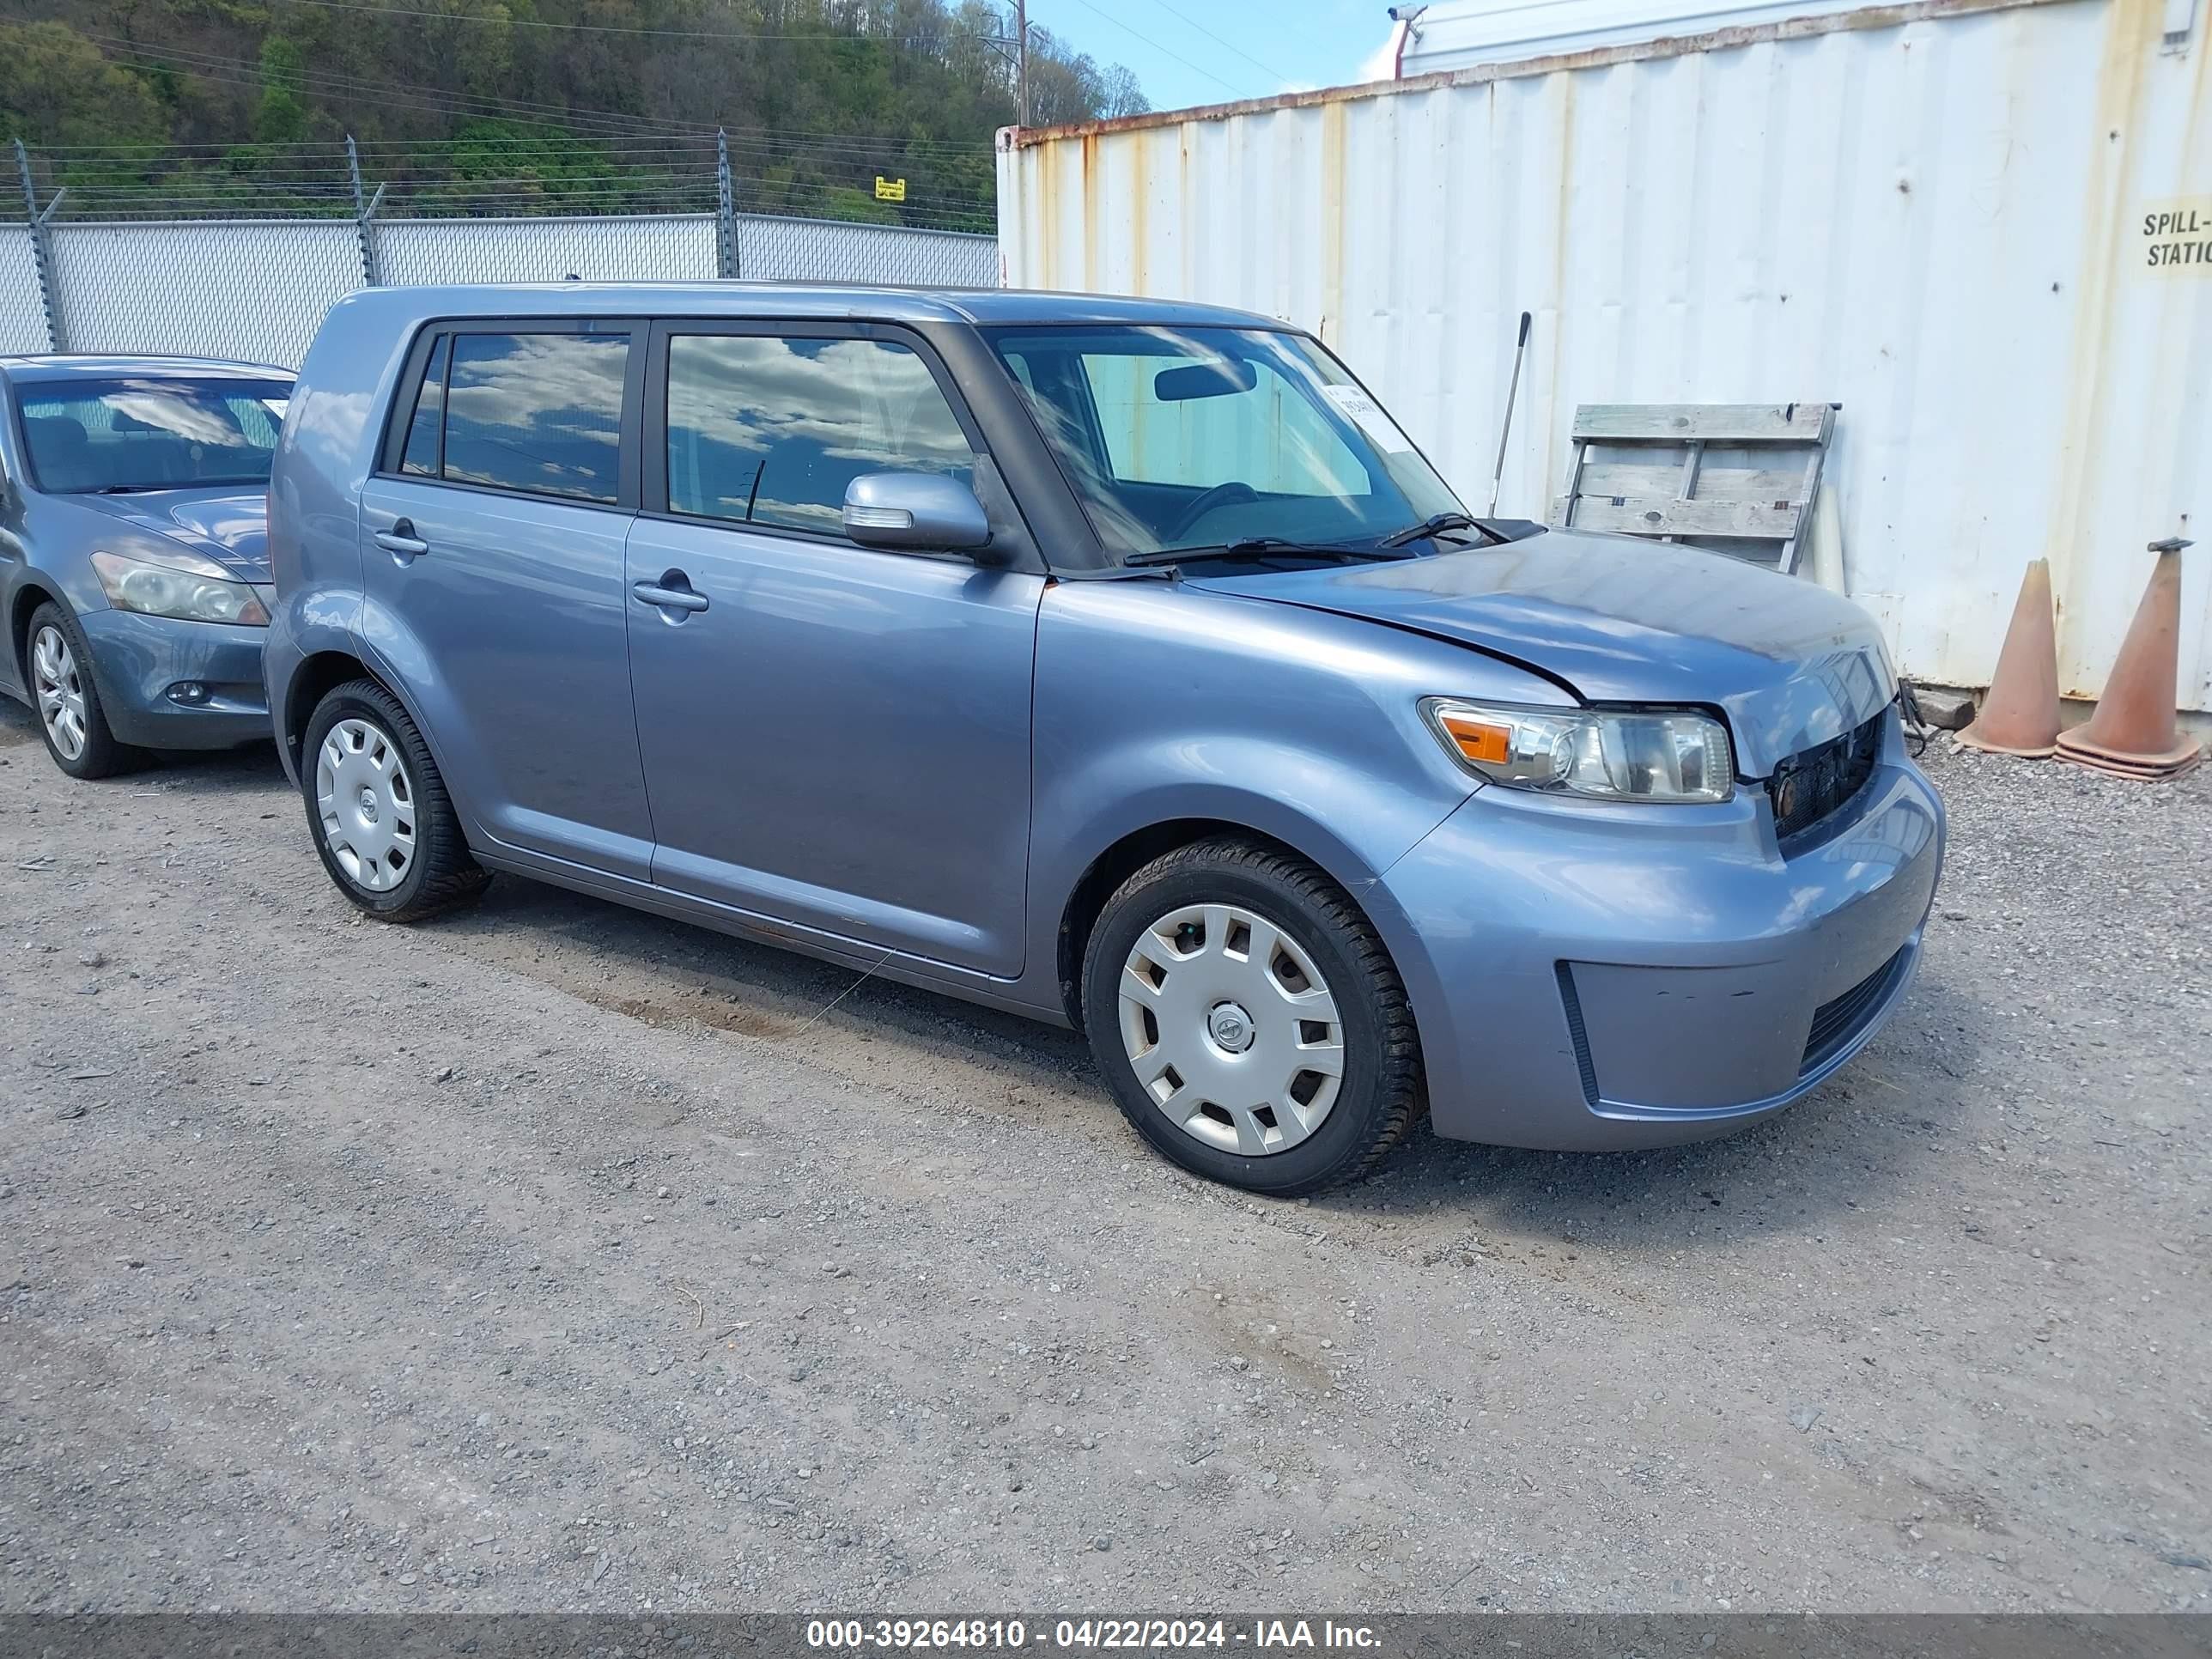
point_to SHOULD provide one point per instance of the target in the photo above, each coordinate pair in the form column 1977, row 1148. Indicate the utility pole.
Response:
column 1021, row 63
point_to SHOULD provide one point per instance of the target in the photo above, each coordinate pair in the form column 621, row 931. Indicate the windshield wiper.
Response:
column 133, row 488
column 1251, row 547
column 1437, row 523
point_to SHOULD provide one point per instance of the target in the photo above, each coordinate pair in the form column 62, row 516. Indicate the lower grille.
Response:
column 1814, row 783
column 1838, row 1021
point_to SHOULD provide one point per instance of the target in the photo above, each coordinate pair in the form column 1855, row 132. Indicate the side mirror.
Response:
column 924, row 510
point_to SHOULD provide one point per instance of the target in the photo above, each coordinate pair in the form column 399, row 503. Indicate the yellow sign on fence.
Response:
column 890, row 190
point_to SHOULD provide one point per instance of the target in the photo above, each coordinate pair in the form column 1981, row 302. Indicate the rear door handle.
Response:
column 401, row 541
column 669, row 598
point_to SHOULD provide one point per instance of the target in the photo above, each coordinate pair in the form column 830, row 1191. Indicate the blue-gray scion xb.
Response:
column 133, row 567
column 1122, row 664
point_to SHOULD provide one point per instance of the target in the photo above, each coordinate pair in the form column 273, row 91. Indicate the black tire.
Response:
column 102, row 756
column 439, row 874
column 1380, row 1094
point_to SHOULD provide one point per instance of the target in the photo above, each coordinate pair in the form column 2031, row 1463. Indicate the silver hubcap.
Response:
column 1231, row 1029
column 60, row 693
column 366, row 802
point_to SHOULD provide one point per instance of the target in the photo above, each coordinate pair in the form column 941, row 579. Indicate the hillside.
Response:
column 521, row 105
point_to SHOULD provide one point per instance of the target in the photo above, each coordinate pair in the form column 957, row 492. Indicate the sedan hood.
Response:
column 1618, row 620
column 229, row 524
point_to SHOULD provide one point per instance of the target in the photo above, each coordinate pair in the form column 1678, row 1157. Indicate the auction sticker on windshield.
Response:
column 1372, row 418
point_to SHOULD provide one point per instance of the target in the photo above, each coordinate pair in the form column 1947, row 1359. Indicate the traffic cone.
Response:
column 2133, row 732
column 2020, row 716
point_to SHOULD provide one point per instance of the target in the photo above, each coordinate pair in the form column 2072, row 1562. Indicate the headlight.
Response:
column 1651, row 754
column 188, row 587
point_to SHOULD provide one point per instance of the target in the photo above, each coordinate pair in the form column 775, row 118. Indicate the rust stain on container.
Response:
column 1332, row 223
column 2111, row 175
column 1091, row 183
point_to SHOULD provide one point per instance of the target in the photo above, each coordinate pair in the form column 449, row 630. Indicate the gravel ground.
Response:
column 556, row 1257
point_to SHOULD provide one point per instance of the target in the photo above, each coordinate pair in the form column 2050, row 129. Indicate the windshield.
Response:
column 1182, row 438
column 151, row 432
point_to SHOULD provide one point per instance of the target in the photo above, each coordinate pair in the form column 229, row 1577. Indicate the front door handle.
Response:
column 669, row 598
column 401, row 541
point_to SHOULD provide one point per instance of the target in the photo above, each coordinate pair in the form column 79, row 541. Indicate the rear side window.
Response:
column 539, row 413
column 769, row 431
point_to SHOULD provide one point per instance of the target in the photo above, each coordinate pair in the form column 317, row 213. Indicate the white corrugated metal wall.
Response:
column 1933, row 215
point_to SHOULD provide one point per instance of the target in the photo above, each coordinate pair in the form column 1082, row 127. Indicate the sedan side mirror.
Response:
column 925, row 510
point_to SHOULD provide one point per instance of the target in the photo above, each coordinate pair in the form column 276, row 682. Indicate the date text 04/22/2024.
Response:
column 1087, row 1634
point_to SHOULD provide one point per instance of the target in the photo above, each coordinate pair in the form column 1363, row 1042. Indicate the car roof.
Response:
column 739, row 299
column 34, row 368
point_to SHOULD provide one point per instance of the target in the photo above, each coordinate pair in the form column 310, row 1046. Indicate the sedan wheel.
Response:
column 1231, row 1029
column 367, row 801
column 58, row 666
column 60, row 692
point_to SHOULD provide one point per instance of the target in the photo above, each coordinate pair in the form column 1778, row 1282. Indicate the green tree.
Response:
column 280, row 118
column 613, row 108
column 56, row 87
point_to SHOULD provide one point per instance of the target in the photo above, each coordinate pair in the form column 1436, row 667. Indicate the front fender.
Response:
column 1157, row 703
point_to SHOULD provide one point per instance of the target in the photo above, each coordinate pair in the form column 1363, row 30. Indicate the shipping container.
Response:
column 1982, row 226
column 1450, row 34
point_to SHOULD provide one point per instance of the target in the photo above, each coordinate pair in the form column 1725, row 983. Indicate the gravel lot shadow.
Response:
column 214, row 771
column 1852, row 1145
column 1845, row 1148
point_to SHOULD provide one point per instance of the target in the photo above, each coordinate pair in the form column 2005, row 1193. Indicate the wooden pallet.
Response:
column 1741, row 478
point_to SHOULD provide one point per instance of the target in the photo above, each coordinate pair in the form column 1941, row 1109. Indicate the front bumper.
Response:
column 136, row 659
column 1590, row 978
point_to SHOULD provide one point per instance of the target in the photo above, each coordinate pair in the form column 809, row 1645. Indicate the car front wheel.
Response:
column 70, row 717
column 1249, row 1021
column 378, row 809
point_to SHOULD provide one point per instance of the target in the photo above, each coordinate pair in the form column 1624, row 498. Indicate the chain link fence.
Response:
column 168, row 262
column 22, row 313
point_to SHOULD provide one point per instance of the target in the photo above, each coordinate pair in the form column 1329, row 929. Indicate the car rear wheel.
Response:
column 1249, row 1021
column 70, row 717
column 382, row 822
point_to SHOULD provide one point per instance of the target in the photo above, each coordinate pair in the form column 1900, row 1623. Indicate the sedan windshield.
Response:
column 151, row 432
column 1188, row 438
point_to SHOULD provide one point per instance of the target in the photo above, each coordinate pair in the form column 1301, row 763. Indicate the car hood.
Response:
column 1619, row 620
column 229, row 524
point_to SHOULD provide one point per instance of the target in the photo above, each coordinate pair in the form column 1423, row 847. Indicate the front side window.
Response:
column 540, row 413
column 146, row 433
column 769, row 430
column 1182, row 438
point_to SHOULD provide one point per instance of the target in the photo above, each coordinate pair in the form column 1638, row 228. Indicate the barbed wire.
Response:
column 652, row 174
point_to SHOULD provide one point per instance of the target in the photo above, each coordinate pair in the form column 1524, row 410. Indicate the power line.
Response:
column 1125, row 28
column 622, row 28
column 1173, row 11
column 238, row 71
column 612, row 124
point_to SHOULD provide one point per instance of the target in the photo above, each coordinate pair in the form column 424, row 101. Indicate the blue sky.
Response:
column 1256, row 47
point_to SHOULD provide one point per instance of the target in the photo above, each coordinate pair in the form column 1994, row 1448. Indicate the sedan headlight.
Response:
column 1599, row 754
column 185, row 586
